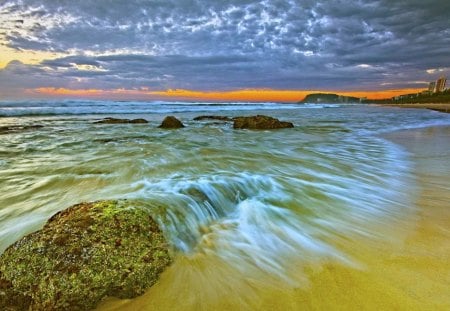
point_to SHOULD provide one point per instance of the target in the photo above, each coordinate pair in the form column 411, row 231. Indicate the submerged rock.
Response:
column 18, row 128
column 219, row 118
column 83, row 254
column 120, row 121
column 170, row 122
column 260, row 122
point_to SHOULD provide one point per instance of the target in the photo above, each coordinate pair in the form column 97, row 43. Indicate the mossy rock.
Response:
column 260, row 122
column 82, row 255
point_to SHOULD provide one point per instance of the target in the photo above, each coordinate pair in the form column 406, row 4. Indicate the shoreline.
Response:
column 409, row 270
column 441, row 107
column 411, row 273
column 427, row 246
column 410, row 248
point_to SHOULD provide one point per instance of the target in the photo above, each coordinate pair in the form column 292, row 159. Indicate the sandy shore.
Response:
column 441, row 107
column 408, row 270
column 414, row 273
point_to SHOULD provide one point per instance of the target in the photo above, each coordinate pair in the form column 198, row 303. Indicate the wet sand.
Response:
column 409, row 270
column 441, row 107
column 412, row 275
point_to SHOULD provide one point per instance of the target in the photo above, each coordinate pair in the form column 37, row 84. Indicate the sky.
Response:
column 243, row 50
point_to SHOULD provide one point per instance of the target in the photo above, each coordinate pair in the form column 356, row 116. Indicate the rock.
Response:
column 141, row 121
column 83, row 254
column 105, row 140
column 171, row 122
column 120, row 121
column 260, row 122
column 220, row 118
column 8, row 295
column 8, row 129
column 18, row 128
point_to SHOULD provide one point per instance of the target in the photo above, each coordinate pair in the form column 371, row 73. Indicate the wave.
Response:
column 237, row 220
column 265, row 223
column 44, row 108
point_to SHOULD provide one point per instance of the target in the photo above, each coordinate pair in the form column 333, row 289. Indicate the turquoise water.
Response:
column 257, row 200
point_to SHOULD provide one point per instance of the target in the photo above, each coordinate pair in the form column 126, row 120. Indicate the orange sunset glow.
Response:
column 247, row 95
column 208, row 155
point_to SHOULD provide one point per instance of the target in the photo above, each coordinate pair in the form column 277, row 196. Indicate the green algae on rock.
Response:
column 83, row 254
column 260, row 122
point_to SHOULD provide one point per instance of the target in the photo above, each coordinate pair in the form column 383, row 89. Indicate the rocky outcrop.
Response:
column 83, row 254
column 120, row 121
column 260, row 122
column 171, row 122
column 329, row 98
column 218, row 118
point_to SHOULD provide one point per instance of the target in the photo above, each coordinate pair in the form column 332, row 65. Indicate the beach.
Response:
column 441, row 107
column 224, row 155
column 345, row 210
column 408, row 270
column 412, row 275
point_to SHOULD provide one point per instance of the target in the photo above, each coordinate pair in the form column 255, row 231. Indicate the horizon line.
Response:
column 238, row 95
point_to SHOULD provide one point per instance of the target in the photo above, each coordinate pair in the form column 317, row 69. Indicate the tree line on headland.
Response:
column 329, row 98
column 419, row 98
column 422, row 98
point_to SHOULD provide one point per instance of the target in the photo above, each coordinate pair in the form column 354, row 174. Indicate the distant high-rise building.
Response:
column 432, row 87
column 440, row 84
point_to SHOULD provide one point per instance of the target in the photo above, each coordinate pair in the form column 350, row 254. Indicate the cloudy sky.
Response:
column 189, row 48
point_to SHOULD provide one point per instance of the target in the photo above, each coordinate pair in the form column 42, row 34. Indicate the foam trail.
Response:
column 246, row 231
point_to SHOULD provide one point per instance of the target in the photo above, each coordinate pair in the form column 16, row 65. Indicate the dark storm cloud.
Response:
column 232, row 44
column 17, row 76
column 157, row 71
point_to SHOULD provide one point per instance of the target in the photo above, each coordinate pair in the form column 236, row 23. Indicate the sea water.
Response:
column 244, row 209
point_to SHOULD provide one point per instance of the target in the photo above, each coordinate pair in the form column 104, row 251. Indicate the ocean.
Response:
column 251, row 206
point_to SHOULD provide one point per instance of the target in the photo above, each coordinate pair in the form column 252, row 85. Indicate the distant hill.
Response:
column 329, row 98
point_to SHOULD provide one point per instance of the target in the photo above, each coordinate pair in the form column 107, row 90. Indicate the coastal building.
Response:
column 432, row 87
column 440, row 84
